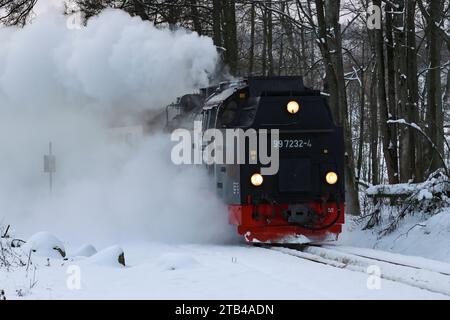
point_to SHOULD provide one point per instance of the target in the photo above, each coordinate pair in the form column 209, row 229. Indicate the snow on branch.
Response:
column 437, row 183
column 429, row 197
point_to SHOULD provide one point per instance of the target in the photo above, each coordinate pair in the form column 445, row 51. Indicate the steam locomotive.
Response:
column 305, row 199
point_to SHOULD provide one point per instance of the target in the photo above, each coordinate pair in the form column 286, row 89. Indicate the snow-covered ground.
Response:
column 198, row 271
column 417, row 235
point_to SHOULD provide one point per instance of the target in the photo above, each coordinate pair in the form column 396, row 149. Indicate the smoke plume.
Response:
column 65, row 85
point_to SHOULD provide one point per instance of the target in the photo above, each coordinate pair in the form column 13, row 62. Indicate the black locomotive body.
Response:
column 305, row 197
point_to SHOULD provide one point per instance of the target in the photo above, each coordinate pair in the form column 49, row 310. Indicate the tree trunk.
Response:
column 140, row 9
column 329, row 33
column 280, row 57
column 292, row 46
column 264, row 48
column 270, row 68
column 412, row 106
column 252, row 40
column 362, row 118
column 374, row 130
column 217, row 22
column 230, row 35
column 390, row 154
column 195, row 17
column 173, row 15
column 434, row 91
column 402, row 74
column 391, row 91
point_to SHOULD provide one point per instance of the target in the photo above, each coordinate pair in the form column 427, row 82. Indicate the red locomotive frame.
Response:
column 270, row 226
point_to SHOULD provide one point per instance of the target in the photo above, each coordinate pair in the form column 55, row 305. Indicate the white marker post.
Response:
column 50, row 165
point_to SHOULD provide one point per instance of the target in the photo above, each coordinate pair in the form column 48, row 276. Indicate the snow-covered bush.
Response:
column 391, row 203
column 45, row 244
column 9, row 258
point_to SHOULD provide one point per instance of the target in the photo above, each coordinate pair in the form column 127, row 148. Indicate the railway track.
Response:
column 420, row 274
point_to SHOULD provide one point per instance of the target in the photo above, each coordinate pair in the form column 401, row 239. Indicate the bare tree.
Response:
column 432, row 11
column 16, row 12
column 329, row 39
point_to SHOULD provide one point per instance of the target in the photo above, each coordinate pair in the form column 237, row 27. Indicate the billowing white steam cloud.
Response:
column 59, row 85
column 116, row 60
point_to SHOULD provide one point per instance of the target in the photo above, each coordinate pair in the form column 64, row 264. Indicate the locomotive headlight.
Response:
column 257, row 179
column 331, row 177
column 293, row 107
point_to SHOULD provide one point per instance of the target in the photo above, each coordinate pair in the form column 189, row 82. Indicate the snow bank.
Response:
column 113, row 256
column 417, row 235
column 45, row 244
column 85, row 250
column 418, row 225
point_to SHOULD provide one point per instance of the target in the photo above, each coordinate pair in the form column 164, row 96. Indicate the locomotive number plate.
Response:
column 292, row 144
